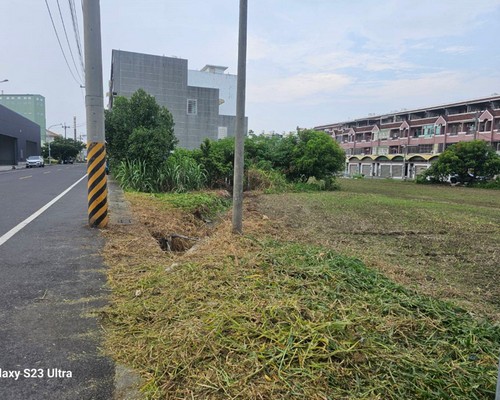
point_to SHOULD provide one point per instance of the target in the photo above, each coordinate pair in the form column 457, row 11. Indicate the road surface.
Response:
column 53, row 280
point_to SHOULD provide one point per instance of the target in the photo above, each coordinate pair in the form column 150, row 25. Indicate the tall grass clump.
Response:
column 137, row 175
column 179, row 173
column 268, row 180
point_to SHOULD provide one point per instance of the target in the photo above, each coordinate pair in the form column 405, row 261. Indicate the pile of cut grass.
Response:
column 261, row 319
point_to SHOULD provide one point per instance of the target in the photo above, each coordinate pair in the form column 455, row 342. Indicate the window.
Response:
column 222, row 132
column 425, row 148
column 453, row 129
column 192, row 107
column 428, row 130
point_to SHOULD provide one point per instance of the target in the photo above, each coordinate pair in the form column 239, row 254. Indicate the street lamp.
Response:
column 5, row 80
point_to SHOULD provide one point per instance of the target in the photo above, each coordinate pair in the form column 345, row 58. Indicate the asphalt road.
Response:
column 52, row 283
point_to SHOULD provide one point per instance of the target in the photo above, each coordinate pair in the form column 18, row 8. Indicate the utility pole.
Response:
column 65, row 127
column 96, row 150
column 74, row 128
column 240, row 121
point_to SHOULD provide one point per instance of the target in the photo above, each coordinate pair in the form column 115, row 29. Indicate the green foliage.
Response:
column 466, row 160
column 358, row 176
column 270, row 181
column 179, row 173
column 310, row 154
column 182, row 173
column 317, row 155
column 137, row 175
column 206, row 204
column 62, row 149
column 139, row 118
column 148, row 145
column 217, row 158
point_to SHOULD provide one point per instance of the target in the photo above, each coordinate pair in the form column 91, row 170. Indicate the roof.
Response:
column 214, row 68
column 416, row 110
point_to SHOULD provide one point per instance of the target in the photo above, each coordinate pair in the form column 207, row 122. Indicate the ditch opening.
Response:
column 174, row 242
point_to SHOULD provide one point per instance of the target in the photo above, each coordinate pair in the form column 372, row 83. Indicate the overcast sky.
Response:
column 310, row 62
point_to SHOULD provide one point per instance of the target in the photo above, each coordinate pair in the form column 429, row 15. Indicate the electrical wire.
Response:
column 67, row 40
column 60, row 45
column 74, row 19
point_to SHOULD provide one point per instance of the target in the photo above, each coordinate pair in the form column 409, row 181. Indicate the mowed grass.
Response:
column 439, row 240
column 279, row 314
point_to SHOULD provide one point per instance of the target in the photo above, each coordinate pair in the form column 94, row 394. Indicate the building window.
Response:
column 222, row 132
column 192, row 107
column 453, row 129
column 425, row 148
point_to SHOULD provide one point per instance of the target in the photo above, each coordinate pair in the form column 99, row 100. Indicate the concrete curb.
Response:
column 127, row 381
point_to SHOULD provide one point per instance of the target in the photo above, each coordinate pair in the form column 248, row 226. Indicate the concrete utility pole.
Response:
column 240, row 122
column 96, row 150
column 74, row 128
column 65, row 127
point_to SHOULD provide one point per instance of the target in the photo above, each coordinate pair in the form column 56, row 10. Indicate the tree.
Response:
column 467, row 160
column 63, row 149
column 217, row 158
column 317, row 155
column 137, row 119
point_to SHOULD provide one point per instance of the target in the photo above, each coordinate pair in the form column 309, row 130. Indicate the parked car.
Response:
column 35, row 161
column 68, row 160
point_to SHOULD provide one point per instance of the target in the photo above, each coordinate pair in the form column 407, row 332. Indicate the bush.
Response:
column 182, row 173
column 136, row 175
column 266, row 180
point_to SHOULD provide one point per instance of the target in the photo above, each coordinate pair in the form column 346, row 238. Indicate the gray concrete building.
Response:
column 195, row 109
column 19, row 137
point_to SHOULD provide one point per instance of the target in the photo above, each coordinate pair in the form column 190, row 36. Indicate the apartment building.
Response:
column 403, row 144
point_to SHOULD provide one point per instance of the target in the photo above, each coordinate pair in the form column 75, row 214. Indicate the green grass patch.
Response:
column 290, row 321
column 208, row 203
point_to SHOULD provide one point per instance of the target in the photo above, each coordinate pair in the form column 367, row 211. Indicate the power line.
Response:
column 74, row 18
column 67, row 39
column 60, row 45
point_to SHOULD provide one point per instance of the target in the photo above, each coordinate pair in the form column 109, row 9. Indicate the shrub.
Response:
column 135, row 175
column 182, row 173
column 267, row 180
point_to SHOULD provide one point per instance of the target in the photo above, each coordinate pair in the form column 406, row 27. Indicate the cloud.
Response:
column 298, row 87
column 422, row 90
column 457, row 50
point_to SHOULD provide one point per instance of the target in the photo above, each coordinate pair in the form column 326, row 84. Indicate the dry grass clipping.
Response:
column 250, row 317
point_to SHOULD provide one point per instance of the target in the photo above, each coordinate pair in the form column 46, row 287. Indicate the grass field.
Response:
column 440, row 240
column 333, row 295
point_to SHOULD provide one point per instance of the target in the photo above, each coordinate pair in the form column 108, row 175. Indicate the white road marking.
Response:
column 36, row 214
column 48, row 172
column 26, row 177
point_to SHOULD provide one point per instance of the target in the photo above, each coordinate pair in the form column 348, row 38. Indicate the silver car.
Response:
column 35, row 161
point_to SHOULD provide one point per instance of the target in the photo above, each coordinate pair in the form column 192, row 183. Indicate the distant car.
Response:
column 35, row 161
column 66, row 161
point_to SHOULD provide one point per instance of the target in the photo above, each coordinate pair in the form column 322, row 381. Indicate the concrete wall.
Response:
column 19, row 137
column 226, row 83
column 229, row 121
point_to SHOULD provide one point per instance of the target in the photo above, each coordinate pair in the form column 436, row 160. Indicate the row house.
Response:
column 403, row 143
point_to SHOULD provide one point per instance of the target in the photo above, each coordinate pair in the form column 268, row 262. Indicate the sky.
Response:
column 309, row 62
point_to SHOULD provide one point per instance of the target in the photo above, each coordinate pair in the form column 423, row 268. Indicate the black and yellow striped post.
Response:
column 97, row 185
column 96, row 148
